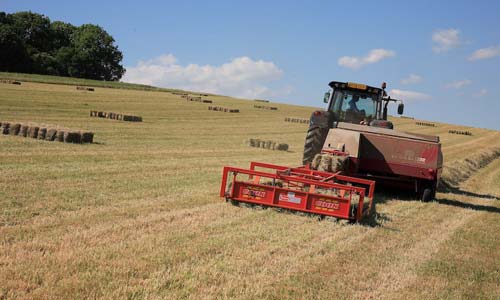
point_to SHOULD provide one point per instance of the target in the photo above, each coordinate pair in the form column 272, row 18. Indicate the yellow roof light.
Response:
column 358, row 86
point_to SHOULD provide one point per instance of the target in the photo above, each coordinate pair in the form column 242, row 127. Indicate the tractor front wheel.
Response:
column 315, row 139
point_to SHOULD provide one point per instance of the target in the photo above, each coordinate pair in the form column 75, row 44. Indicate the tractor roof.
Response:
column 354, row 86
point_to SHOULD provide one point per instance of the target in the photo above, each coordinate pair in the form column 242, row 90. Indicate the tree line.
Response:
column 31, row 43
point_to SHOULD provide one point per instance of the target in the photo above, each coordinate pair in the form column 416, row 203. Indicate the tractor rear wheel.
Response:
column 315, row 139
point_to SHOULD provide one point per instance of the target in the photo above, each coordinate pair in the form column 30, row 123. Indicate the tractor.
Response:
column 355, row 123
column 349, row 148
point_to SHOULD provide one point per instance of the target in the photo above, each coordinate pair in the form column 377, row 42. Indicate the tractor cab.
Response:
column 359, row 104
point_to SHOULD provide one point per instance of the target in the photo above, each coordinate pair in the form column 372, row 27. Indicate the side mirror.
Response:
column 327, row 97
column 401, row 108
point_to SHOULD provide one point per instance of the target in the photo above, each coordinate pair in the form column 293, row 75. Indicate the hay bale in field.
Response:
column 60, row 135
column 14, row 129
column 23, row 131
column 282, row 147
column 51, row 134
column 41, row 133
column 72, row 137
column 87, row 137
column 5, row 127
column 16, row 82
column 207, row 101
column 267, row 144
column 252, row 142
column 100, row 114
column 90, row 89
column 33, row 131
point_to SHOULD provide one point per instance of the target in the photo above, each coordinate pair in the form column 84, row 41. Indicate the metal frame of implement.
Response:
column 300, row 189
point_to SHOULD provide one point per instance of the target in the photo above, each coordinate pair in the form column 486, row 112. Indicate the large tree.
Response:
column 30, row 43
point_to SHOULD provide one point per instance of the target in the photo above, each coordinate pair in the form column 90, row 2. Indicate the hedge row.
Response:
column 425, row 124
column 460, row 132
column 47, row 133
column 267, row 145
column 84, row 88
column 265, row 107
column 223, row 109
column 296, row 120
column 10, row 81
column 115, row 116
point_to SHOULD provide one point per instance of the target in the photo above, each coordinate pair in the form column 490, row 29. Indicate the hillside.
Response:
column 136, row 215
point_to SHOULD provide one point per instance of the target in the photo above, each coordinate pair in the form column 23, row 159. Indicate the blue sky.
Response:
column 442, row 57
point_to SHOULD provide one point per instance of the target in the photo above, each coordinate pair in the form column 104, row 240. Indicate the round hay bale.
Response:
column 33, row 132
column 5, row 127
column 51, row 134
column 267, row 144
column 23, row 131
column 282, row 147
column 252, row 142
column 41, row 133
column 73, row 137
column 87, row 137
column 60, row 135
column 14, row 129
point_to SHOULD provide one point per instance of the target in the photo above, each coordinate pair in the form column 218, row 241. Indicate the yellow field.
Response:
column 137, row 214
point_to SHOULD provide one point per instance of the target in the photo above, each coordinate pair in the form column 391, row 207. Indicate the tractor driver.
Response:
column 352, row 104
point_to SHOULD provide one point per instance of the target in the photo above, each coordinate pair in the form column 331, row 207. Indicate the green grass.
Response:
column 137, row 215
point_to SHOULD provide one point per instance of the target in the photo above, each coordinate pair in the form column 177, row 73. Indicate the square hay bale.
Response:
column 33, row 132
column 72, row 137
column 24, row 130
column 51, row 134
column 282, row 147
column 5, row 127
column 87, row 137
column 42, row 132
column 60, row 135
column 90, row 89
column 14, row 129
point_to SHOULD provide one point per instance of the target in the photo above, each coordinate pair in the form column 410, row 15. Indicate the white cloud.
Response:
column 485, row 53
column 408, row 96
column 412, row 79
column 240, row 77
column 458, row 84
column 481, row 93
column 445, row 40
column 374, row 56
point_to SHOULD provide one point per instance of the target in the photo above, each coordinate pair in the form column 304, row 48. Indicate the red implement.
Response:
column 299, row 189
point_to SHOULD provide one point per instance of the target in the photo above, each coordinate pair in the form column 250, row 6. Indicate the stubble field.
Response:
column 136, row 215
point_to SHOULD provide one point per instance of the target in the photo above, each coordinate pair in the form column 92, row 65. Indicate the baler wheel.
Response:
column 428, row 192
column 315, row 139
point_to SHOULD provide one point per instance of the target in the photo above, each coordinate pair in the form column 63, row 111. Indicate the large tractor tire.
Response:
column 315, row 139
